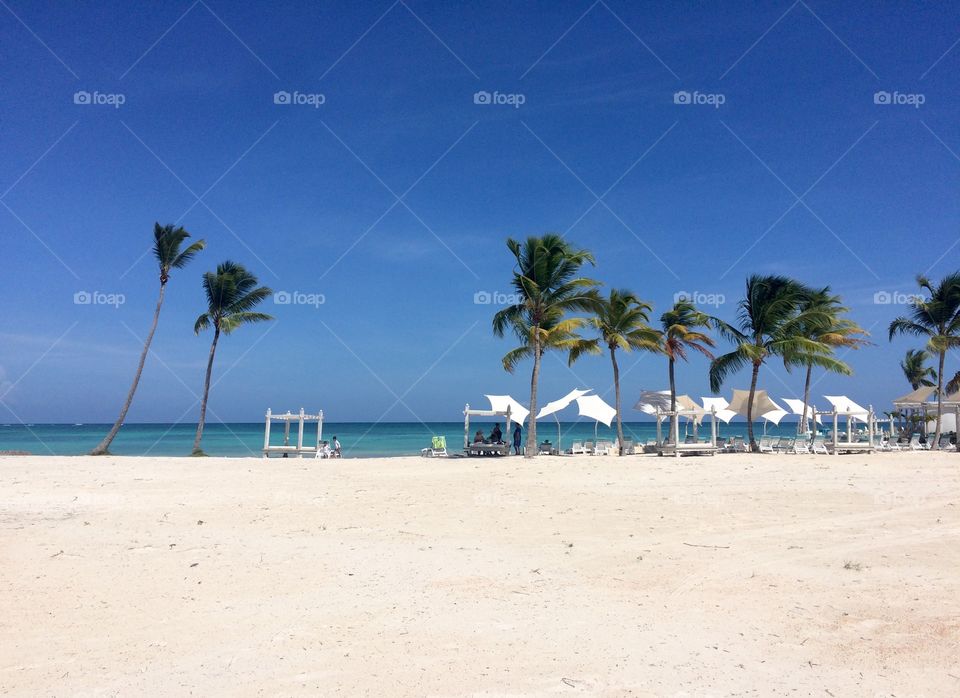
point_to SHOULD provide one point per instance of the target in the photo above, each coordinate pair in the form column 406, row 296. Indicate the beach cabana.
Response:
column 500, row 406
column 287, row 418
column 845, row 407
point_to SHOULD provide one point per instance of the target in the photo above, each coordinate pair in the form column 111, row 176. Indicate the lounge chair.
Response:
column 577, row 449
column 603, row 448
column 785, row 445
column 438, row 448
column 546, row 449
column 801, row 445
column 915, row 444
column 739, row 445
column 820, row 445
column 589, row 448
column 766, row 444
column 628, row 447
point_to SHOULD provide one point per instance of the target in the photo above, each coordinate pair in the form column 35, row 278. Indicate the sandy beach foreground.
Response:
column 642, row 576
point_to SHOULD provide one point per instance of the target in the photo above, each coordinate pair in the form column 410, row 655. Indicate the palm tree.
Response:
column 915, row 370
column 770, row 319
column 831, row 331
column 548, row 286
column 232, row 293
column 166, row 250
column 680, row 333
column 622, row 321
column 938, row 319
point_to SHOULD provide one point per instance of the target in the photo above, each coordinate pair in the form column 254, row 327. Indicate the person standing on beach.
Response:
column 517, row 433
column 337, row 449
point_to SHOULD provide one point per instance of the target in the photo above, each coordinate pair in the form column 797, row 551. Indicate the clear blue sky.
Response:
column 694, row 196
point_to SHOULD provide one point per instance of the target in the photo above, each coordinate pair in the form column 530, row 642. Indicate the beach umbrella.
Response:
column 595, row 408
column 500, row 403
column 557, row 405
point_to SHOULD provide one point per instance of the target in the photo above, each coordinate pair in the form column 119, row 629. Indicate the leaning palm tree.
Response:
column 832, row 331
column 232, row 294
column 166, row 250
column 548, row 286
column 915, row 370
column 938, row 319
column 622, row 322
column 680, row 333
column 769, row 323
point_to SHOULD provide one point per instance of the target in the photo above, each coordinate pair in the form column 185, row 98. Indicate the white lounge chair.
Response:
column 915, row 444
column 820, row 445
column 588, row 448
column 577, row 449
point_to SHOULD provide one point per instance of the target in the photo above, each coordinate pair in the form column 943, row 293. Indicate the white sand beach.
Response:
column 640, row 576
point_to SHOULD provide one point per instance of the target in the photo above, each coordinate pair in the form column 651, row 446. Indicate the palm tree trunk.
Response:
column 531, row 449
column 673, row 401
column 206, row 392
column 616, row 389
column 104, row 446
column 753, row 391
column 806, row 400
column 936, row 437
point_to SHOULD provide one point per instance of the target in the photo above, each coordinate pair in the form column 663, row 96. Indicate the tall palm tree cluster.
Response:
column 934, row 315
column 231, row 293
column 778, row 318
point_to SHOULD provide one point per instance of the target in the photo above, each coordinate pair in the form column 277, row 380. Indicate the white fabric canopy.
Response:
column 847, row 407
column 774, row 416
column 650, row 400
column 761, row 403
column 796, row 407
column 560, row 404
column 720, row 405
column 594, row 407
column 500, row 403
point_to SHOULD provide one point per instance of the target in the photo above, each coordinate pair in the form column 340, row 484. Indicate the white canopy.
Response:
column 650, row 400
column 761, row 402
column 560, row 404
column 594, row 407
column 846, row 406
column 796, row 407
column 500, row 403
column 720, row 405
column 774, row 416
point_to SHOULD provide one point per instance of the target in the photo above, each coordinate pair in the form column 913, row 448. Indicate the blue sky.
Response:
column 392, row 199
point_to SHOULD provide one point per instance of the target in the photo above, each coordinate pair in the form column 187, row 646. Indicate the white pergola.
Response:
column 287, row 418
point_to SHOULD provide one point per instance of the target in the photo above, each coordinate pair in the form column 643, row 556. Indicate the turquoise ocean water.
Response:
column 359, row 439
